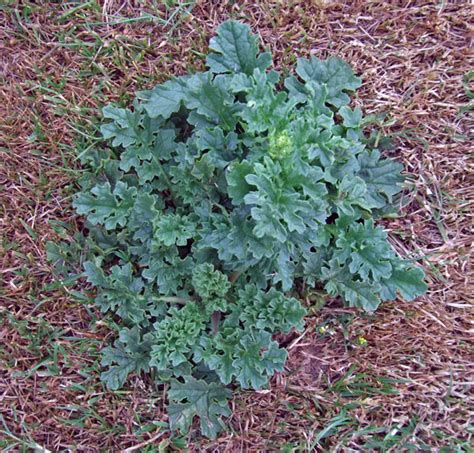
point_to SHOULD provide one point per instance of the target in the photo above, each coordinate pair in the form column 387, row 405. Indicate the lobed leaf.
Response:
column 198, row 398
column 235, row 50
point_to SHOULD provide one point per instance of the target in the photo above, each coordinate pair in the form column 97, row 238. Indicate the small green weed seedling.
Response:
column 219, row 195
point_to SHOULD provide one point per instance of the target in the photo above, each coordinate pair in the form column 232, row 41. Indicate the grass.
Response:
column 404, row 388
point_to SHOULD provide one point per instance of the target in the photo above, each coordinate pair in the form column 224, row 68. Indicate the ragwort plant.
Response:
column 220, row 192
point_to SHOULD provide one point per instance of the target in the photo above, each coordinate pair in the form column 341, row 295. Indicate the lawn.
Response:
column 397, row 380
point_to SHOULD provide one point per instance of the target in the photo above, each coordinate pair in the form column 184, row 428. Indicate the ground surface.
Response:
column 407, row 389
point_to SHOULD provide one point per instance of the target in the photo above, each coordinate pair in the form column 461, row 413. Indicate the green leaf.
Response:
column 366, row 250
column 249, row 355
column 169, row 272
column 352, row 118
column 129, row 354
column 405, row 279
column 367, row 260
column 142, row 214
column 355, row 293
column 235, row 50
column 382, row 177
column 165, row 144
column 217, row 352
column 279, row 209
column 95, row 275
column 266, row 109
column 132, row 157
column 358, row 294
column 175, row 336
column 198, row 398
column 124, row 129
column 116, row 375
column 238, row 186
column 166, row 99
column 235, row 240
column 352, row 195
column 120, row 290
column 270, row 311
column 150, row 170
column 211, row 98
column 174, row 229
column 210, row 139
column 333, row 73
column 222, row 148
column 257, row 358
column 103, row 206
column 212, row 286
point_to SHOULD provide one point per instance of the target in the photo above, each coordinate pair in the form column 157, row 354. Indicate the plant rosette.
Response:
column 219, row 191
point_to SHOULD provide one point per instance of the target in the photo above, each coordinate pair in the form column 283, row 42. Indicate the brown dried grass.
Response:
column 412, row 56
